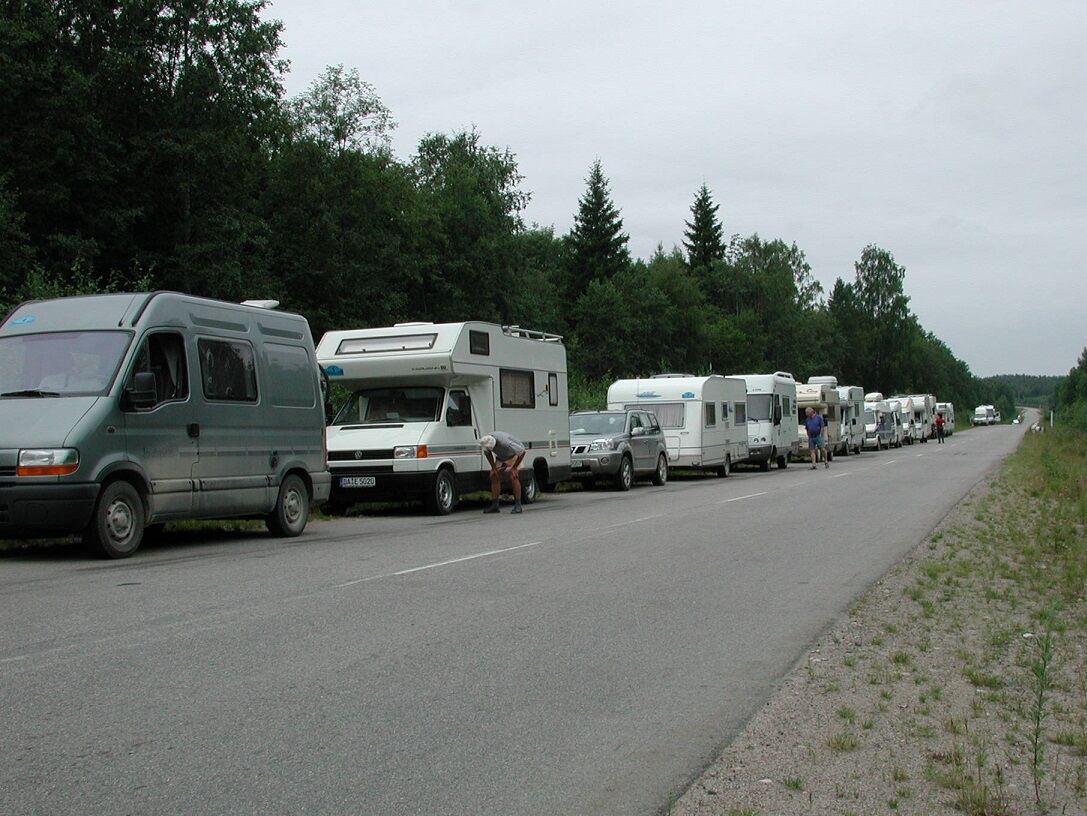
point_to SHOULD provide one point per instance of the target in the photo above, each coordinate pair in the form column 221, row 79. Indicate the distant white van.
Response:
column 852, row 403
column 823, row 397
column 771, row 434
column 899, row 432
column 879, row 425
column 704, row 419
column 924, row 411
column 422, row 394
column 947, row 409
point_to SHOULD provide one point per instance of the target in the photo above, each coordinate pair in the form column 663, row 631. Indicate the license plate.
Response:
column 579, row 466
column 358, row 481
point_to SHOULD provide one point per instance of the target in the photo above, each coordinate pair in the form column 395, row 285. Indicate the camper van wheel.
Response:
column 783, row 462
column 116, row 529
column 530, row 487
column 443, row 495
column 660, row 475
column 765, row 466
column 624, row 477
column 726, row 468
column 291, row 512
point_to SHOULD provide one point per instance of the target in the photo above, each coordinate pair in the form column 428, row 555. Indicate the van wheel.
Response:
column 765, row 466
column 660, row 475
column 530, row 488
column 443, row 494
column 116, row 528
column 783, row 462
column 291, row 512
column 542, row 480
column 624, row 477
column 726, row 468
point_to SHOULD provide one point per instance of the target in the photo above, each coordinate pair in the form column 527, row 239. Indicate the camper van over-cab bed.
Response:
column 422, row 395
column 122, row 411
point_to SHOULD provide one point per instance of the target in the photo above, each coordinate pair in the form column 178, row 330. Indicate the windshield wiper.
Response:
column 31, row 392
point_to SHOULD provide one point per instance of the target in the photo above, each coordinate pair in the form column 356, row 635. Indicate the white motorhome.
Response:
column 948, row 411
column 771, row 434
column 704, row 419
column 984, row 415
column 879, row 425
column 422, row 394
column 911, row 428
column 823, row 397
column 899, row 432
column 852, row 404
column 924, row 409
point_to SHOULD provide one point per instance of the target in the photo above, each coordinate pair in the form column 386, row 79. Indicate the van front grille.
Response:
column 362, row 471
column 359, row 455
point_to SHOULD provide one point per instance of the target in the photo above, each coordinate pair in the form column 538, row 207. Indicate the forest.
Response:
column 152, row 145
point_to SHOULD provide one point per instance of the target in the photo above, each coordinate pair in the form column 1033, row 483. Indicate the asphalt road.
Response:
column 587, row 657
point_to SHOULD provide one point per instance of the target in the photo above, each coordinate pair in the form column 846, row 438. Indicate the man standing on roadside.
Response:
column 817, row 441
column 505, row 454
column 939, row 422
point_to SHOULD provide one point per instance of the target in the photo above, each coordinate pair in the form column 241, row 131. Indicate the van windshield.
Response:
column 869, row 417
column 61, row 364
column 372, row 405
column 609, row 423
column 758, row 407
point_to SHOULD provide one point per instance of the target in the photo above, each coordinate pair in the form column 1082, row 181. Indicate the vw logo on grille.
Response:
column 358, row 454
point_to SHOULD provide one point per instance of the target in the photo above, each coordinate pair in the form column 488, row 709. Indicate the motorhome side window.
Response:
column 458, row 411
column 479, row 342
column 163, row 354
column 724, row 414
column 228, row 369
column 553, row 388
column 517, row 388
column 711, row 415
column 741, row 413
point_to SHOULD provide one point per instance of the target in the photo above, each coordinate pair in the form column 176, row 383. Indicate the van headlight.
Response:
column 47, row 462
column 410, row 452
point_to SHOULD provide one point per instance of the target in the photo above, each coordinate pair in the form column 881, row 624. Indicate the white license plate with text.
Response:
column 358, row 481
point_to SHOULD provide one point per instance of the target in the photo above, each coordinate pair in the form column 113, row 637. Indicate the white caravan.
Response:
column 852, row 400
column 924, row 410
column 422, row 396
column 771, row 434
column 823, row 397
column 911, row 428
column 947, row 409
column 704, row 419
column 894, row 419
column 879, row 424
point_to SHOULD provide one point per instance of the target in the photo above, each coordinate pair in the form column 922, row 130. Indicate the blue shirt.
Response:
column 814, row 424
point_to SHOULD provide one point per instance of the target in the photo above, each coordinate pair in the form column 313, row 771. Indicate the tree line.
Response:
column 151, row 144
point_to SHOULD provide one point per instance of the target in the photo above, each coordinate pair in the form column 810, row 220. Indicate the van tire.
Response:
column 783, row 462
column 116, row 528
column 544, row 483
column 288, row 518
column 726, row 468
column 443, row 494
column 624, row 477
column 660, row 475
column 765, row 466
column 530, row 487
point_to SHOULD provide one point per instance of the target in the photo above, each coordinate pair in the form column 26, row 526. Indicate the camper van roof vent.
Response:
column 414, row 323
column 261, row 304
column 529, row 334
column 669, row 376
column 784, row 374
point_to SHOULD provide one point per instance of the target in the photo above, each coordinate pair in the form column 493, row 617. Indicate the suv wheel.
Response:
column 660, row 475
column 624, row 477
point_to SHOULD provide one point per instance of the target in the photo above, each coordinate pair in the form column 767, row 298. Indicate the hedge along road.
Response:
column 589, row 656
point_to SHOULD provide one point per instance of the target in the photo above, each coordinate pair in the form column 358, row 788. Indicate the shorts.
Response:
column 816, row 442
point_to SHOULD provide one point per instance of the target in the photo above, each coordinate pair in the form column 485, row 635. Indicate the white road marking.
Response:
column 635, row 521
column 741, row 498
column 466, row 558
column 840, row 475
column 890, row 461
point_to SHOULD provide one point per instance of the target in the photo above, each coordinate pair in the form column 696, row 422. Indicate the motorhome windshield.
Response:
column 869, row 417
column 758, row 407
column 609, row 423
column 375, row 405
column 60, row 364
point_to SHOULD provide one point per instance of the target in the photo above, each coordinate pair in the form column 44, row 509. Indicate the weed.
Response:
column 843, row 741
column 980, row 679
column 794, row 783
column 1042, row 682
column 847, row 714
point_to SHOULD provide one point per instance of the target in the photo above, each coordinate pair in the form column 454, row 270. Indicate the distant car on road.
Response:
column 619, row 445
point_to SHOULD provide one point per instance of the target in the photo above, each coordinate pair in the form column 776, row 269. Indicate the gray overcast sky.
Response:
column 952, row 134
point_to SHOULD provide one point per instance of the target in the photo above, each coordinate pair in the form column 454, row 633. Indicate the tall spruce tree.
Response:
column 597, row 244
column 704, row 234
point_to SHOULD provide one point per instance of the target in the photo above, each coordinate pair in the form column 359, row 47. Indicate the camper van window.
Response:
column 379, row 405
column 228, row 369
column 290, row 382
column 724, row 414
column 711, row 415
column 458, row 410
column 553, row 388
column 741, row 413
column 758, row 406
column 371, row 345
column 479, row 342
column 518, row 388
column 163, row 354
column 60, row 364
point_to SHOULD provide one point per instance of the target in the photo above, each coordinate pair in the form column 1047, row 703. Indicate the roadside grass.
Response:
column 968, row 681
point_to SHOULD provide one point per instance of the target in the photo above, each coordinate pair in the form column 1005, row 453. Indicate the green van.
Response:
column 120, row 412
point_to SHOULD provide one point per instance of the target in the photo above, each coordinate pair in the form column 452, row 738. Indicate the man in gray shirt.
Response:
column 504, row 453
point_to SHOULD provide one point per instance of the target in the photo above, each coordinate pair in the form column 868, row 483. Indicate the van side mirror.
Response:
column 143, row 393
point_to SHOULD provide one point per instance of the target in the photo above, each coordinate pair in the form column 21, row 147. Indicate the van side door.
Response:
column 160, row 438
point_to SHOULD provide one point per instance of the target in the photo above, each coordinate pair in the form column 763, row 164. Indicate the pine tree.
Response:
column 597, row 244
column 704, row 234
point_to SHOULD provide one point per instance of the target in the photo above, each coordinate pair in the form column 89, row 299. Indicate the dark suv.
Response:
column 619, row 445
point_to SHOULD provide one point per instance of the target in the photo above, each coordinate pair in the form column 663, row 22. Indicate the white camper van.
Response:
column 948, row 410
column 823, row 397
column 852, row 402
column 771, row 434
column 911, row 428
column 704, row 419
column 422, row 396
column 924, row 409
column 878, row 425
column 899, row 432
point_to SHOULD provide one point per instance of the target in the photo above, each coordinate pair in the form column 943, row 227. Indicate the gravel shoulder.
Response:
column 956, row 684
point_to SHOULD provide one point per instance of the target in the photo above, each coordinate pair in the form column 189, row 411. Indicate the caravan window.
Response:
column 711, row 415
column 758, row 405
column 403, row 342
column 518, row 388
column 669, row 414
column 741, row 413
column 229, row 370
column 409, row 404
column 724, row 414
column 553, row 388
column 479, row 342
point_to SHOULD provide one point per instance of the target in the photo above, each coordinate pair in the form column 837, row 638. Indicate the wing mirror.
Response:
column 143, row 392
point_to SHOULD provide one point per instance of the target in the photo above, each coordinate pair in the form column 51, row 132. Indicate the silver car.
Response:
column 618, row 445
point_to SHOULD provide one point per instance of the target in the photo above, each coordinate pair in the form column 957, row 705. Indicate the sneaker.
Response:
column 516, row 508
column 813, row 467
column 492, row 509
column 826, row 464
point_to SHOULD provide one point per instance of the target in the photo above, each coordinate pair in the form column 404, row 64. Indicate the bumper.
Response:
column 379, row 485
column 759, row 453
column 41, row 509
column 591, row 466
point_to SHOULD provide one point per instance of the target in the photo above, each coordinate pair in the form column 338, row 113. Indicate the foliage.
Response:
column 704, row 236
column 597, row 245
column 342, row 112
